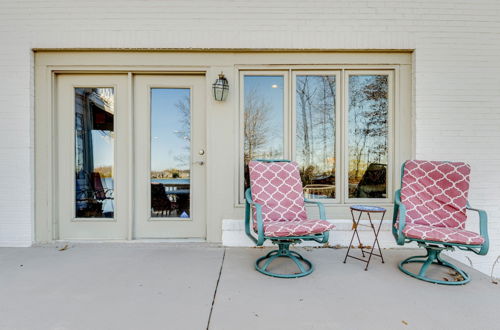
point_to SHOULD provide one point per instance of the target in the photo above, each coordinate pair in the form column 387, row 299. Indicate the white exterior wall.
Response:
column 456, row 70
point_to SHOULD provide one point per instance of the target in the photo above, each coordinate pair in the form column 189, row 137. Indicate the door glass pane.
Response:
column 170, row 152
column 315, row 134
column 263, row 119
column 94, row 152
column 368, row 136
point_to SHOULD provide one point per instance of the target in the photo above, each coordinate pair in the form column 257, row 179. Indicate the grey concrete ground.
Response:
column 161, row 286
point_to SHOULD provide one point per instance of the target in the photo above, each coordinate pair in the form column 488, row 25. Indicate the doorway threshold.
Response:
column 130, row 243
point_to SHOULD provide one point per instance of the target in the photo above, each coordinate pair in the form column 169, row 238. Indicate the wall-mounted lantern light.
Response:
column 220, row 88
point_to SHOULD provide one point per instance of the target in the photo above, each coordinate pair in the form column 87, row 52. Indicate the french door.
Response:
column 130, row 170
column 169, row 125
column 92, row 141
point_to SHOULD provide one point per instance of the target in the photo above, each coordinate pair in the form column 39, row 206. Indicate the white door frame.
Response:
column 145, row 226
column 69, row 225
column 47, row 226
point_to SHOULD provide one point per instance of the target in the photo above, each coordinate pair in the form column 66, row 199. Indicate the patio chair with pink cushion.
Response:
column 430, row 209
column 275, row 210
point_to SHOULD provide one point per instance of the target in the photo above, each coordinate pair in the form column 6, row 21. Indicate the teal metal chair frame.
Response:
column 283, row 243
column 434, row 248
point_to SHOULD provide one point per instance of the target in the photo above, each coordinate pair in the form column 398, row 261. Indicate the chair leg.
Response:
column 433, row 257
column 304, row 266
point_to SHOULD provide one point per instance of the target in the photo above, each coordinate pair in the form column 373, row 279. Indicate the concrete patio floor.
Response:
column 201, row 286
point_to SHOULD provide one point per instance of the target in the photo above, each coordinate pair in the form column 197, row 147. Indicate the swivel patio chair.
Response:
column 275, row 210
column 430, row 209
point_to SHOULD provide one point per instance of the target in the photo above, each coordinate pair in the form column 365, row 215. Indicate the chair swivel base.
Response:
column 304, row 266
column 433, row 257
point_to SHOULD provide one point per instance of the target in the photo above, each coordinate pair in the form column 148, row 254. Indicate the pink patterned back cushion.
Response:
column 435, row 193
column 278, row 188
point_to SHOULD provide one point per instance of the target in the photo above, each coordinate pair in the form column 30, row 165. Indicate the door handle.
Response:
column 199, row 162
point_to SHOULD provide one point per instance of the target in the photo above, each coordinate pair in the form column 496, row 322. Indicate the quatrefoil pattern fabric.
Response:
column 296, row 228
column 435, row 196
column 442, row 234
column 278, row 188
column 435, row 193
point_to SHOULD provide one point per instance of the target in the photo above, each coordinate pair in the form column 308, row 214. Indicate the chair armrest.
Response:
column 483, row 228
column 248, row 218
column 398, row 215
column 321, row 207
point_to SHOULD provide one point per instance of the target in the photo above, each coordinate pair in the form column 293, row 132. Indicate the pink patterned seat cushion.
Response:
column 442, row 234
column 296, row 228
column 277, row 186
column 435, row 193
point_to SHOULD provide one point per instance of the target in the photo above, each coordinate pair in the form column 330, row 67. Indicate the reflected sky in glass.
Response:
column 170, row 128
column 264, row 102
column 102, row 143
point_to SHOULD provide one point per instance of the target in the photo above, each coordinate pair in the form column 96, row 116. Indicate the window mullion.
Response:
column 288, row 117
column 343, row 139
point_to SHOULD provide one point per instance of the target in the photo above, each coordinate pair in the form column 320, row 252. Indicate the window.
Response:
column 367, row 122
column 315, row 133
column 337, row 127
column 263, row 118
column 94, row 146
column 170, row 173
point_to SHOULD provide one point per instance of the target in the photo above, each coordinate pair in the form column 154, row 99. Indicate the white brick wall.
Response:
column 457, row 69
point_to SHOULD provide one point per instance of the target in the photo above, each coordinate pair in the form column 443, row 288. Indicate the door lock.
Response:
column 200, row 162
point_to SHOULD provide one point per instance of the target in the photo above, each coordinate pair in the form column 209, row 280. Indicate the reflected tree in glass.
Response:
column 315, row 134
column 94, row 152
column 368, row 136
column 262, row 119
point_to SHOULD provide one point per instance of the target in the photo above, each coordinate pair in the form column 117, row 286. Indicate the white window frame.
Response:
column 391, row 134
column 341, row 116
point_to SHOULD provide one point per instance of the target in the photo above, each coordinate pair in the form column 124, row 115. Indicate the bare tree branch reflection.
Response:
column 368, row 131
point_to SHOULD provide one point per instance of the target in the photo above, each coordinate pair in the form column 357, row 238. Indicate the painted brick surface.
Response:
column 456, row 70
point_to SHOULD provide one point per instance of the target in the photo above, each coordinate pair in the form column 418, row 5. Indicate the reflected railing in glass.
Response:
column 94, row 152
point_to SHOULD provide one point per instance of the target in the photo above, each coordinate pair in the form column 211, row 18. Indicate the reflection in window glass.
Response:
column 263, row 118
column 368, row 136
column 94, row 138
column 315, row 134
column 170, row 152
